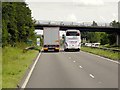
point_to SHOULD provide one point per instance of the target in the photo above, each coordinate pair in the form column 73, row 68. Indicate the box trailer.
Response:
column 51, row 39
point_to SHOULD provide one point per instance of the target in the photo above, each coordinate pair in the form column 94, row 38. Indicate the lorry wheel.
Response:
column 78, row 50
column 65, row 50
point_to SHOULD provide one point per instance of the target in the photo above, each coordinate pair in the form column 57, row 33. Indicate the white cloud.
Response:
column 71, row 18
column 89, row 2
column 91, row 10
column 93, row 2
column 114, row 15
column 48, row 0
column 103, row 19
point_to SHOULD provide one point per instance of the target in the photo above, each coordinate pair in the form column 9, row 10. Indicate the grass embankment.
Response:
column 15, row 63
column 104, row 53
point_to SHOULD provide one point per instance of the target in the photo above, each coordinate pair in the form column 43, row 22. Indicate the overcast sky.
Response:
column 74, row 10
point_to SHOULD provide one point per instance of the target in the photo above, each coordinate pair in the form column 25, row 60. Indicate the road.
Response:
column 73, row 70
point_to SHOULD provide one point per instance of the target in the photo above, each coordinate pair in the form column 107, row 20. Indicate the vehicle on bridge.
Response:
column 72, row 40
column 51, row 39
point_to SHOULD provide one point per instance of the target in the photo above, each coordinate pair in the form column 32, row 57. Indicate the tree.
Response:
column 94, row 24
column 18, row 25
column 4, row 33
column 115, row 24
column 104, row 38
column 93, row 37
column 112, row 38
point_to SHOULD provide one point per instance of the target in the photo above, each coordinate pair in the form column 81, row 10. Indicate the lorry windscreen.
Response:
column 72, row 34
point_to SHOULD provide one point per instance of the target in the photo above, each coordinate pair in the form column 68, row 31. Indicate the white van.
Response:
column 72, row 40
column 95, row 45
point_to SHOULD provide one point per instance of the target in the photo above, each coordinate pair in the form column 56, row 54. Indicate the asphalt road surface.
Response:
column 73, row 70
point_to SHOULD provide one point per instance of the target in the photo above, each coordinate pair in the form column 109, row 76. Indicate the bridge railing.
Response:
column 61, row 23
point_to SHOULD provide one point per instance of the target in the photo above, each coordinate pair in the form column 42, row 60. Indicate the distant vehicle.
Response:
column 95, row 45
column 51, row 39
column 92, row 44
column 88, row 44
column 72, row 40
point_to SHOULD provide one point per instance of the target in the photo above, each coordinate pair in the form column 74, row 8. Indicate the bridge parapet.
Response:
column 83, row 27
column 62, row 23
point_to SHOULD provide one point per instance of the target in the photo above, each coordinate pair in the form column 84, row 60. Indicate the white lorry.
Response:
column 51, row 39
column 72, row 40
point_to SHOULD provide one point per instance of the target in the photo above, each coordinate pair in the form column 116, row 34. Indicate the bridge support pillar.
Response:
column 118, row 39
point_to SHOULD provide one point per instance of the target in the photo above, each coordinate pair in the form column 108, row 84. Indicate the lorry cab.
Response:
column 72, row 40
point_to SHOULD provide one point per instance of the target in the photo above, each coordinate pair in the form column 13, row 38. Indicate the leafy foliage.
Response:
column 94, row 24
column 102, row 37
column 115, row 24
column 17, row 22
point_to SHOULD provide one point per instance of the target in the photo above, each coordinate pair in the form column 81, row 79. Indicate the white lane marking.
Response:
column 103, row 57
column 74, row 61
column 91, row 76
column 80, row 66
column 30, row 73
column 109, row 60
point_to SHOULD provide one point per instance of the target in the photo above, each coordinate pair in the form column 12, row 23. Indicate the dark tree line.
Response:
column 102, row 37
column 17, row 23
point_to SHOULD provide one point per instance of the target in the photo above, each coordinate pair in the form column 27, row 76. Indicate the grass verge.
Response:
column 14, row 65
column 104, row 53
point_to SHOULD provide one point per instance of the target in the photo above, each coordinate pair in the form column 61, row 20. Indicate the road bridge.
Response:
column 83, row 27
